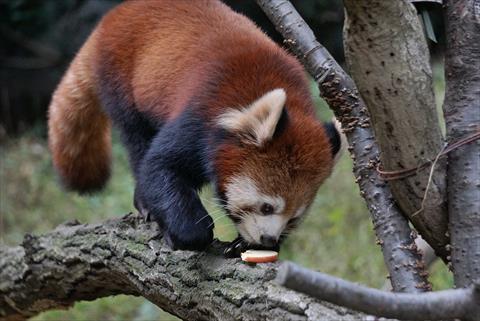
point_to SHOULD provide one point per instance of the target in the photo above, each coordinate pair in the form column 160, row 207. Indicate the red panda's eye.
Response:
column 266, row 209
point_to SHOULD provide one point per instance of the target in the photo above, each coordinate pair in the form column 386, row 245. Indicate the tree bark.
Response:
column 462, row 115
column 337, row 88
column 388, row 57
column 127, row 256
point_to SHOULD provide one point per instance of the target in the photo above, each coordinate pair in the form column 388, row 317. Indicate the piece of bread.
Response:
column 259, row 256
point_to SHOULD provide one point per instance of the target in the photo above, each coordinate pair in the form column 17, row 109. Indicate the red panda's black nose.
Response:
column 268, row 241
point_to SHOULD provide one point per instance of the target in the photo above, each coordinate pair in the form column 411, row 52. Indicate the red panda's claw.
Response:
column 146, row 216
column 168, row 240
column 235, row 248
column 142, row 211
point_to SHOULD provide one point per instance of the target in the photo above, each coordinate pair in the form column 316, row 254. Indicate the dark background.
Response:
column 40, row 37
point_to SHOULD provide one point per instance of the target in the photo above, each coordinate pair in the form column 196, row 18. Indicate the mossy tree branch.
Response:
column 127, row 256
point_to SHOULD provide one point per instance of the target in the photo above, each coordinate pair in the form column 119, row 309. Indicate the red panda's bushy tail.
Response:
column 79, row 130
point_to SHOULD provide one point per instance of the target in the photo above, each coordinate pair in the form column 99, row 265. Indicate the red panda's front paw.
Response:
column 195, row 239
column 236, row 247
column 142, row 210
column 239, row 245
column 190, row 242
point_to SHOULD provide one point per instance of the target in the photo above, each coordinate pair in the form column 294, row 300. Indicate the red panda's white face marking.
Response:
column 247, row 204
column 254, row 226
column 256, row 123
column 243, row 193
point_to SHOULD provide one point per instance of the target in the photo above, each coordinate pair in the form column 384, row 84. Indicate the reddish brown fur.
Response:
column 79, row 132
column 292, row 166
column 153, row 49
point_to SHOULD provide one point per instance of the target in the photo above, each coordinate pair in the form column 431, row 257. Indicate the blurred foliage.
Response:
column 39, row 39
column 121, row 307
column 438, row 72
column 59, row 27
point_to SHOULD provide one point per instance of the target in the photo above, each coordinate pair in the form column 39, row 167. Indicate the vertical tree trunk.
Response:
column 462, row 115
column 388, row 58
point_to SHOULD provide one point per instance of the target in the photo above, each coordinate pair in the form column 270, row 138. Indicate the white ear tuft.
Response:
column 257, row 122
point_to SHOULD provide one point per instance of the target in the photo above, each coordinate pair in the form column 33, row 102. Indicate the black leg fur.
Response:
column 168, row 161
column 137, row 134
column 136, row 130
column 169, row 178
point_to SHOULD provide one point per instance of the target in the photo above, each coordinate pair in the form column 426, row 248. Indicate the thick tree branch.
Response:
column 441, row 305
column 84, row 262
column 462, row 116
column 337, row 88
column 388, row 57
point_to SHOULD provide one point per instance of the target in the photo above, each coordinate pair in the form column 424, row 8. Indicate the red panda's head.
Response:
column 271, row 168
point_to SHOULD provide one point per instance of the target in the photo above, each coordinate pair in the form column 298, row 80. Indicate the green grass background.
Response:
column 336, row 237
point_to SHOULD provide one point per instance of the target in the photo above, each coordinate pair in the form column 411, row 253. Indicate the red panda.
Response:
column 199, row 94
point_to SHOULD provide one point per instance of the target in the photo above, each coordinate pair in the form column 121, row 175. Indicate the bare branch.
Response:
column 337, row 88
column 462, row 116
column 127, row 256
column 441, row 305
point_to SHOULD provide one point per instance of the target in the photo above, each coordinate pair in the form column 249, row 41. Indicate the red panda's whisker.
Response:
column 202, row 218
column 216, row 219
column 215, row 213
column 214, row 203
column 241, row 217
column 225, row 225
column 284, row 235
column 217, row 201
column 242, row 214
column 237, row 211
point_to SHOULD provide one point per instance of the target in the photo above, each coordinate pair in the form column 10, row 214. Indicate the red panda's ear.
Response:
column 256, row 123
